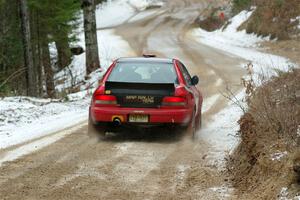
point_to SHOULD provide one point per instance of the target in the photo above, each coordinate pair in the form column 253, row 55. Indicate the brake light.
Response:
column 174, row 101
column 105, row 100
column 179, row 100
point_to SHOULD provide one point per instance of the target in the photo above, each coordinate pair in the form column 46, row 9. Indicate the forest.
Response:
column 28, row 28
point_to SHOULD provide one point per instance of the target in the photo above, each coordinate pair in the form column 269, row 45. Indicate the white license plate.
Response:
column 139, row 118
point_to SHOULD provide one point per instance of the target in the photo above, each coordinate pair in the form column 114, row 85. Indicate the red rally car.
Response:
column 146, row 91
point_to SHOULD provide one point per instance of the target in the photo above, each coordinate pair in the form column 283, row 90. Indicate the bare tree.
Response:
column 32, row 87
column 90, row 31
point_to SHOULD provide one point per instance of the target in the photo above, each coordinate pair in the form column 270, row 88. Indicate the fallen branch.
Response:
column 13, row 75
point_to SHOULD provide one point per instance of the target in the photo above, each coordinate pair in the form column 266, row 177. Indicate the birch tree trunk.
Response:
column 32, row 89
column 90, row 31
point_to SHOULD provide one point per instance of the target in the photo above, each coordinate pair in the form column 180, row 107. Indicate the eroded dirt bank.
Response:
column 155, row 165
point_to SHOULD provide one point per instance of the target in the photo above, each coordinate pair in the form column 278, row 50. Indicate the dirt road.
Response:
column 140, row 165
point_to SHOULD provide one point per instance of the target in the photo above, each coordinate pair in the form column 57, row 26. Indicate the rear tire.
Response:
column 96, row 130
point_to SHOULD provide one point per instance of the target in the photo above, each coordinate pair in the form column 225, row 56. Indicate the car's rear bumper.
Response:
column 156, row 115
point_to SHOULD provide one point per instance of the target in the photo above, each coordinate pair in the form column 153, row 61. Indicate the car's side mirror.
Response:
column 195, row 80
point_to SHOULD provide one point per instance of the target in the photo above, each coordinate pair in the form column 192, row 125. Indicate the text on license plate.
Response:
column 139, row 118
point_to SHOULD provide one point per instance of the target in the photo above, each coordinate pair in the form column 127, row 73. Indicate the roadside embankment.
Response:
column 266, row 164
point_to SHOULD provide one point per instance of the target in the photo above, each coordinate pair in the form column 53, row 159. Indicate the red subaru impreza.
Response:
column 146, row 91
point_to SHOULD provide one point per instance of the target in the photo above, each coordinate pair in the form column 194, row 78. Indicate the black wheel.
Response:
column 96, row 130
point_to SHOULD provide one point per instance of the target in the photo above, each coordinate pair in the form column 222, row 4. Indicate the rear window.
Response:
column 143, row 73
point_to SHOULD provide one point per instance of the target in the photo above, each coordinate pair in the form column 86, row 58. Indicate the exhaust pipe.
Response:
column 117, row 121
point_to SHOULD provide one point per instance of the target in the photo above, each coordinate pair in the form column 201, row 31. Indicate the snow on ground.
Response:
column 23, row 119
column 284, row 195
column 297, row 19
column 241, row 44
column 117, row 12
column 223, row 191
column 37, row 144
column 120, row 11
column 111, row 47
column 221, row 130
column 278, row 155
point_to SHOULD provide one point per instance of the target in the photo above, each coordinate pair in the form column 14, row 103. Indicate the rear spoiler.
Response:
column 165, row 89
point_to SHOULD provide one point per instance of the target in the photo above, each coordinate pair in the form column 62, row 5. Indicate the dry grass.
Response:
column 272, row 17
column 270, row 127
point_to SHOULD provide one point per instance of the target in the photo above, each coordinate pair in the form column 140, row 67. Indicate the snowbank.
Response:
column 220, row 132
column 238, row 44
column 23, row 118
column 241, row 44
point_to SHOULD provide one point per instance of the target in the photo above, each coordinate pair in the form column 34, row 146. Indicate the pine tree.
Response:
column 56, row 21
column 11, row 49
column 46, row 21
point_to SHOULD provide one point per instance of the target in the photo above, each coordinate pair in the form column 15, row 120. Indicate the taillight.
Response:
column 105, row 100
column 174, row 101
column 179, row 100
column 102, row 99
